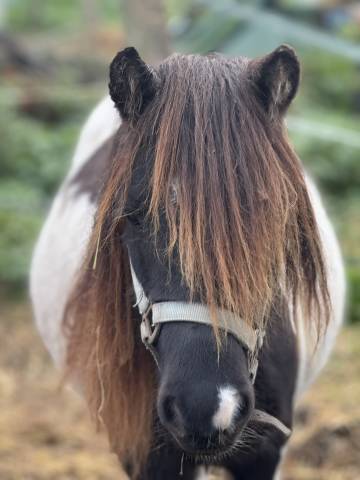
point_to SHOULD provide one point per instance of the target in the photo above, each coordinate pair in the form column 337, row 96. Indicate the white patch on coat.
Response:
column 103, row 122
column 229, row 404
column 63, row 240
column 310, row 364
column 57, row 258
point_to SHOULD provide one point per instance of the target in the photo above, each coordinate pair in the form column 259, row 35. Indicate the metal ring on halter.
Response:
column 253, row 356
column 148, row 332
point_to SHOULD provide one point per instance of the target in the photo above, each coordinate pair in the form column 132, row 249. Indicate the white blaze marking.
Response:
column 228, row 406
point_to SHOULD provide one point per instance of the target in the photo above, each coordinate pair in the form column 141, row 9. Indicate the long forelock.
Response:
column 243, row 224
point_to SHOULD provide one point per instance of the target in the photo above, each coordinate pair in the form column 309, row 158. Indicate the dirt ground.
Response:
column 45, row 433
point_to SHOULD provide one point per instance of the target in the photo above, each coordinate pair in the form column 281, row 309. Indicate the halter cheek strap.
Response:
column 167, row 312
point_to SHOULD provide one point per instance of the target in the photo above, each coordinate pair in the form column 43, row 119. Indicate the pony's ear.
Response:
column 132, row 84
column 277, row 78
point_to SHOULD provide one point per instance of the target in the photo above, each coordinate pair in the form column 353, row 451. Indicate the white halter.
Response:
column 165, row 312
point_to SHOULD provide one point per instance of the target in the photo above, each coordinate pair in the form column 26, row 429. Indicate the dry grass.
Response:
column 46, row 433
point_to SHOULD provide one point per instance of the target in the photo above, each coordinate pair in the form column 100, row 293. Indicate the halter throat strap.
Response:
column 154, row 315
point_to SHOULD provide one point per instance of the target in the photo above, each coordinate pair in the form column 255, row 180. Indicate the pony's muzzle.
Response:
column 207, row 419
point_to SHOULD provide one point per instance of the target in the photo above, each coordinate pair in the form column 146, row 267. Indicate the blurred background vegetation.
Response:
column 54, row 58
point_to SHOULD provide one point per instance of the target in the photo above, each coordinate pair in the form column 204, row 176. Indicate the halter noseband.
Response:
column 167, row 312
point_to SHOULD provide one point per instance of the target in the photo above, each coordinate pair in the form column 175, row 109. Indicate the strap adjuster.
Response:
column 148, row 331
column 253, row 356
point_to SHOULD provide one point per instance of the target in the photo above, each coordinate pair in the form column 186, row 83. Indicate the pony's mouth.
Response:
column 209, row 457
column 216, row 452
column 209, row 454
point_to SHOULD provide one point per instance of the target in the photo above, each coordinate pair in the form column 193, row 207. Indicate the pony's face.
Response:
column 204, row 399
column 192, row 177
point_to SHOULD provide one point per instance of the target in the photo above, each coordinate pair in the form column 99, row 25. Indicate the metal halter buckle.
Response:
column 253, row 357
column 148, row 332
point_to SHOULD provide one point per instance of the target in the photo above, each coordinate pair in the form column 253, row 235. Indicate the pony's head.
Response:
column 207, row 202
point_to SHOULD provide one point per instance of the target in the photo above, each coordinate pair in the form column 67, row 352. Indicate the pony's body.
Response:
column 61, row 249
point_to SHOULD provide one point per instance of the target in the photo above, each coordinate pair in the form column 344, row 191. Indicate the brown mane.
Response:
column 242, row 224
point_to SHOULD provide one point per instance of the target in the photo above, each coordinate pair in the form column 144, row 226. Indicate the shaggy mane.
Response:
column 242, row 227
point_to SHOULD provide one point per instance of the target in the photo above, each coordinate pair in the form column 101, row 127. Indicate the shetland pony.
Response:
column 186, row 204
